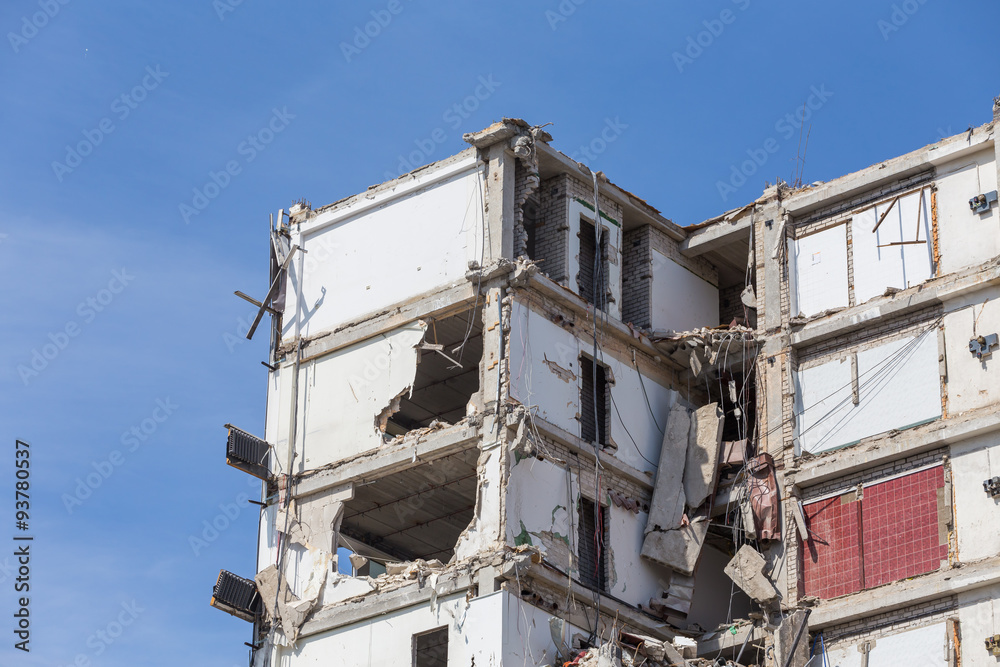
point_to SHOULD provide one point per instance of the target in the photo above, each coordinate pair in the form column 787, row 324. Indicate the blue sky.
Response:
column 100, row 243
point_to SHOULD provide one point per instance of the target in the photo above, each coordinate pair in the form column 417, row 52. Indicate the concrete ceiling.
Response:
column 441, row 390
column 419, row 512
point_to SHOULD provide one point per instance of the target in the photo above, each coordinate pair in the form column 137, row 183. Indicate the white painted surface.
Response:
column 919, row 647
column 358, row 263
column 644, row 422
column 387, row 639
column 977, row 515
column 340, row 395
column 633, row 579
column 899, row 387
column 972, row 383
column 541, row 500
column 535, row 340
column 577, row 211
column 681, row 301
column 899, row 266
column 819, row 271
column 978, row 616
column 965, row 238
column 494, row 629
column 486, row 528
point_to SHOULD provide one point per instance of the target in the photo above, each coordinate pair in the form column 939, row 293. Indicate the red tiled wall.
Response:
column 900, row 522
column 898, row 535
column 830, row 564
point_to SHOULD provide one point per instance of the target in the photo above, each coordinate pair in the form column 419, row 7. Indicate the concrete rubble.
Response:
column 678, row 518
column 746, row 570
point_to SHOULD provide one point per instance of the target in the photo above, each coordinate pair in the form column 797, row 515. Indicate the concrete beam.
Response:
column 394, row 458
column 378, row 603
column 585, row 450
column 553, row 579
column 936, row 291
column 447, row 300
column 891, row 170
column 893, row 445
column 717, row 235
column 931, row 586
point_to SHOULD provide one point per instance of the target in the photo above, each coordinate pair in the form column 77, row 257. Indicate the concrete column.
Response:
column 500, row 202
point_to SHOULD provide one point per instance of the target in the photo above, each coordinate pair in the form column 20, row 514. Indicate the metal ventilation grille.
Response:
column 237, row 596
column 248, row 453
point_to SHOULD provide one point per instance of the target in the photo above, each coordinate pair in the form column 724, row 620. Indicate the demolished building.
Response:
column 517, row 416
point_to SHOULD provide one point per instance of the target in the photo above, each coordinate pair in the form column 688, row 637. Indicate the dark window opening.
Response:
column 447, row 374
column 415, row 513
column 593, row 290
column 593, row 426
column 593, row 539
column 431, row 649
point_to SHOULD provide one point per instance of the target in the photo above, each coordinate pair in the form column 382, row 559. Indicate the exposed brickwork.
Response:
column 891, row 623
column 521, row 185
column 671, row 249
column 730, row 304
column 835, row 213
column 637, row 277
column 875, row 473
column 552, row 232
column 552, row 242
column 878, row 333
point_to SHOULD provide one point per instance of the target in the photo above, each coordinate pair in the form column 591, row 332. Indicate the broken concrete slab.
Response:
column 791, row 641
column 667, row 506
column 702, row 463
column 678, row 549
column 746, row 569
column 284, row 607
column 680, row 595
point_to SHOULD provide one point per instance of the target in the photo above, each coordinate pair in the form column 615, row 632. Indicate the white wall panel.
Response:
column 976, row 514
column 361, row 262
column 340, row 395
column 681, row 301
column 899, row 387
column 972, row 383
column 966, row 238
column 540, row 352
column 899, row 266
column 919, row 647
column 819, row 271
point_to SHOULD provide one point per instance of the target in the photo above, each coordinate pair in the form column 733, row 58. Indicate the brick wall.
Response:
column 730, row 304
column 637, row 277
column 552, row 232
column 670, row 248
column 875, row 473
column 878, row 332
column 890, row 623
column 837, row 212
